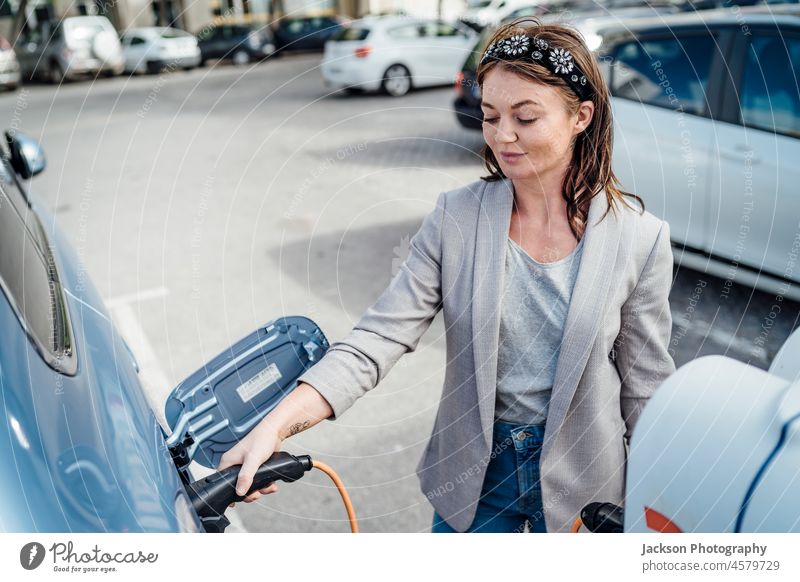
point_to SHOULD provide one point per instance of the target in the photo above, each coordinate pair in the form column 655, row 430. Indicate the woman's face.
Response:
column 528, row 128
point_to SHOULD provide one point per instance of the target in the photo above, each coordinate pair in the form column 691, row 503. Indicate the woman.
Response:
column 554, row 289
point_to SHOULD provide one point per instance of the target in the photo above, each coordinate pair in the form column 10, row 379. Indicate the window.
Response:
column 769, row 94
column 408, row 31
column 351, row 33
column 174, row 33
column 297, row 26
column 29, row 279
column 671, row 72
column 444, row 29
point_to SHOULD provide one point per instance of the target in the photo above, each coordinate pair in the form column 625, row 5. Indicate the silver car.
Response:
column 9, row 66
column 73, row 47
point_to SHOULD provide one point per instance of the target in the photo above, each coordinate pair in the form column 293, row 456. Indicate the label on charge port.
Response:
column 258, row 383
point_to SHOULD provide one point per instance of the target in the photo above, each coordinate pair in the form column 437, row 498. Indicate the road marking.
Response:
column 137, row 297
column 154, row 380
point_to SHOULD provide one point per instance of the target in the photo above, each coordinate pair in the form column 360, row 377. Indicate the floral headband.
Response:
column 538, row 50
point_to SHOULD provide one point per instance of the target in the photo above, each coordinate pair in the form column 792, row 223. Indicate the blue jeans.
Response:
column 511, row 497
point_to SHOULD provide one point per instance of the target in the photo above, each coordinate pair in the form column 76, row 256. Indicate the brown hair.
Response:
column 590, row 169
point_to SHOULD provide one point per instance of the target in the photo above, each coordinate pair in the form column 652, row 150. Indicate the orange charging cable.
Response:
column 576, row 525
column 351, row 514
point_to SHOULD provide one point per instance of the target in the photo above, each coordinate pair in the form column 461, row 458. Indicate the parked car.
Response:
column 240, row 43
column 396, row 54
column 81, row 448
column 708, row 130
column 540, row 9
column 482, row 13
column 9, row 66
column 73, row 47
column 307, row 33
column 155, row 48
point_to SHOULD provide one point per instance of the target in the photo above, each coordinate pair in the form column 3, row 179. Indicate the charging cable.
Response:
column 211, row 496
column 351, row 514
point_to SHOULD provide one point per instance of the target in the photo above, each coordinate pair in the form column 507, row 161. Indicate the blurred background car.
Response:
column 240, row 43
column 73, row 47
column 307, row 33
column 152, row 49
column 396, row 54
column 482, row 13
column 9, row 66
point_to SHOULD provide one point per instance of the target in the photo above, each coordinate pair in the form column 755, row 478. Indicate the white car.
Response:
column 73, row 47
column 153, row 49
column 396, row 54
column 482, row 13
column 707, row 132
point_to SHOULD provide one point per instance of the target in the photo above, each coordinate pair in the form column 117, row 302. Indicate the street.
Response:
column 205, row 203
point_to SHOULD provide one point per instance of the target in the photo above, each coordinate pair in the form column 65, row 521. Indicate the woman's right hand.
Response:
column 251, row 452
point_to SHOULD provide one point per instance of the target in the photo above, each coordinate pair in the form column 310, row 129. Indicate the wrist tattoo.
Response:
column 299, row 427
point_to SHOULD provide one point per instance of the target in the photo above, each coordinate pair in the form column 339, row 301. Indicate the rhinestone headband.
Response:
column 558, row 60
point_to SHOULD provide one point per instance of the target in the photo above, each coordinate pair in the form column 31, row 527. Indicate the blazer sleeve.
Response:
column 642, row 347
column 392, row 326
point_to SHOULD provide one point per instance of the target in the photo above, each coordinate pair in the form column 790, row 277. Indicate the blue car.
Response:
column 81, row 449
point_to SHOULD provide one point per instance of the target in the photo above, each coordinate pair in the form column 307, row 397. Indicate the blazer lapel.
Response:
column 494, row 219
column 583, row 316
column 585, row 312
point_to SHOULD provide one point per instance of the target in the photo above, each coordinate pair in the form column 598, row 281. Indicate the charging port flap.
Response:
column 222, row 401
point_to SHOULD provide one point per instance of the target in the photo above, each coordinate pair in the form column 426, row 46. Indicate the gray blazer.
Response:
column 613, row 353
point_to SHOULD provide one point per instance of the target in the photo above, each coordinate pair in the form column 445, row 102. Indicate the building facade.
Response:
column 192, row 15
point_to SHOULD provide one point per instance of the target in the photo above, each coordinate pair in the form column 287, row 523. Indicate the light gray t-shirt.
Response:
column 532, row 316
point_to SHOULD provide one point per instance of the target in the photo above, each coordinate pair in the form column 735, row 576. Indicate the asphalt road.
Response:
column 206, row 203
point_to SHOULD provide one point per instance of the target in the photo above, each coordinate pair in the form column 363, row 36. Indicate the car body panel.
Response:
column 9, row 66
column 224, row 41
column 307, row 33
column 149, row 49
column 727, row 190
column 78, row 45
column 82, row 452
column 430, row 60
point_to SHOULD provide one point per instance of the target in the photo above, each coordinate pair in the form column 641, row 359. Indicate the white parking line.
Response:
column 155, row 381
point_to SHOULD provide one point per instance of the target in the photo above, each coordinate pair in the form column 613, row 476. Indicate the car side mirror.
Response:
column 27, row 156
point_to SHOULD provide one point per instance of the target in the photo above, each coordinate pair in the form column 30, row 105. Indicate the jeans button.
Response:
column 521, row 435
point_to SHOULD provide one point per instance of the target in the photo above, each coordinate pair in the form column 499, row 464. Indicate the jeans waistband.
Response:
column 522, row 435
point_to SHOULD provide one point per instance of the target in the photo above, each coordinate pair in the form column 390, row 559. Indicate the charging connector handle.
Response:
column 603, row 518
column 211, row 496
